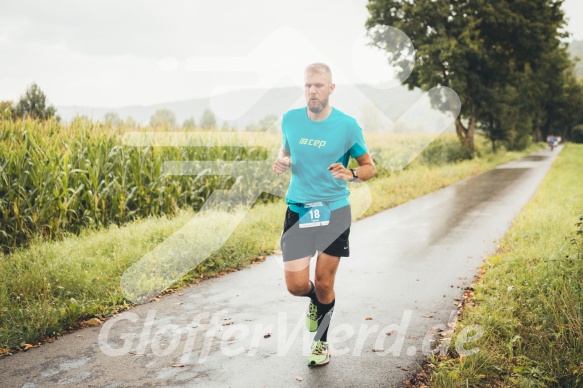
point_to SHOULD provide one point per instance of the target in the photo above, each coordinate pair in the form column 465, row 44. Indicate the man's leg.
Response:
column 326, row 268
column 297, row 276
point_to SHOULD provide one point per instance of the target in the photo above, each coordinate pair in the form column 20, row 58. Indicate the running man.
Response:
column 318, row 141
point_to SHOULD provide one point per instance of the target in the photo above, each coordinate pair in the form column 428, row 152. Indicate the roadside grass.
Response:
column 529, row 296
column 49, row 288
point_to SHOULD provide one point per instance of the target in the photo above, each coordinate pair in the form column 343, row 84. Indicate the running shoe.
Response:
column 312, row 317
column 320, row 354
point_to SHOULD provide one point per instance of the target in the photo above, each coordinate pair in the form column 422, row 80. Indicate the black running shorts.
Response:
column 331, row 239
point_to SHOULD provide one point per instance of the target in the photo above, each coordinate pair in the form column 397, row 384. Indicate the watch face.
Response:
column 354, row 174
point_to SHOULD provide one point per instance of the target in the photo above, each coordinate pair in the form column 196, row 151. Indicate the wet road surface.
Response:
column 394, row 295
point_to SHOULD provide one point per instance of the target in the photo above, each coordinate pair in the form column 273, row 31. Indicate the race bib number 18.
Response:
column 314, row 214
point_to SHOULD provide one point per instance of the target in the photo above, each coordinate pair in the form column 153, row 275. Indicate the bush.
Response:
column 444, row 151
column 577, row 134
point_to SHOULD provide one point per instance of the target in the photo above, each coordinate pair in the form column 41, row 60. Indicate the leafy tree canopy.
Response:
column 33, row 104
column 163, row 118
column 208, row 119
column 494, row 53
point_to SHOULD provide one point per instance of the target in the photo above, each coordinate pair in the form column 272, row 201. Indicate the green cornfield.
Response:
column 56, row 179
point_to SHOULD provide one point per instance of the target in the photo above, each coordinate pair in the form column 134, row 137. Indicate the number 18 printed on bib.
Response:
column 314, row 214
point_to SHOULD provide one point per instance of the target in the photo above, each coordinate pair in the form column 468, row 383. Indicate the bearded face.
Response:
column 317, row 90
column 315, row 105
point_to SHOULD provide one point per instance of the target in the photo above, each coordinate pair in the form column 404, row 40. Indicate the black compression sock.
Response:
column 312, row 293
column 325, row 311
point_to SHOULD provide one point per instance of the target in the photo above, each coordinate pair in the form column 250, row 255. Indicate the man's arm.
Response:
column 283, row 162
column 366, row 169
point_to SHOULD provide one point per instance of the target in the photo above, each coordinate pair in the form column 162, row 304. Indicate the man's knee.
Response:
column 323, row 286
column 296, row 289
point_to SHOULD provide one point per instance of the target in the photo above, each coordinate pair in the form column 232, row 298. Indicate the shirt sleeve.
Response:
column 357, row 144
column 284, row 141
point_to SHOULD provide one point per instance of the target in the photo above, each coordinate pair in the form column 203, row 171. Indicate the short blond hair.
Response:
column 319, row 68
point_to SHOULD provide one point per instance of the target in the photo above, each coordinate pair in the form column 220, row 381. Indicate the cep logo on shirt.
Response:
column 313, row 142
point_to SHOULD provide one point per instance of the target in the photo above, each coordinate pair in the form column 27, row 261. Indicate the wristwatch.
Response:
column 354, row 175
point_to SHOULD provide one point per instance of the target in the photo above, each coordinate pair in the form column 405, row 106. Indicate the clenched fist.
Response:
column 281, row 165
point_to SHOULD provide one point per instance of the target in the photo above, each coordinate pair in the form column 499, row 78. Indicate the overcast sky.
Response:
column 113, row 53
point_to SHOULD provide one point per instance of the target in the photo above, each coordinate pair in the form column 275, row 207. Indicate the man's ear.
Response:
column 332, row 86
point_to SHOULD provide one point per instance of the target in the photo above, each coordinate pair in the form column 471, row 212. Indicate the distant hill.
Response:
column 245, row 107
column 576, row 49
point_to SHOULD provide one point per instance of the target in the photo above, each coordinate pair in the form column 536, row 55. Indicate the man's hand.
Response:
column 281, row 164
column 339, row 172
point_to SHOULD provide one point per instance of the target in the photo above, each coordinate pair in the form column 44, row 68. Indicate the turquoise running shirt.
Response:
column 314, row 146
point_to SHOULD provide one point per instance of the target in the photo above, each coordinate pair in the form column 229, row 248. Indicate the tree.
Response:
column 6, row 110
column 577, row 134
column 189, row 123
column 576, row 51
column 163, row 118
column 112, row 119
column 130, row 122
column 208, row 120
column 225, row 127
column 33, row 104
column 479, row 48
column 562, row 100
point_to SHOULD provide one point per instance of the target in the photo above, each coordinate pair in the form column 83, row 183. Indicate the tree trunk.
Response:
column 466, row 134
column 536, row 135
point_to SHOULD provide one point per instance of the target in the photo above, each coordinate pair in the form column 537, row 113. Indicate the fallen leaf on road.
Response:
column 267, row 335
column 377, row 350
column 389, row 332
column 178, row 365
column 28, row 346
column 299, row 378
column 368, row 318
column 427, row 316
column 93, row 322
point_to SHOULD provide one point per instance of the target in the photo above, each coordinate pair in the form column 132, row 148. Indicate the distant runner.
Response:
column 318, row 141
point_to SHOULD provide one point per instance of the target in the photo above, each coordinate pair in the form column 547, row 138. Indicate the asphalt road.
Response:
column 407, row 267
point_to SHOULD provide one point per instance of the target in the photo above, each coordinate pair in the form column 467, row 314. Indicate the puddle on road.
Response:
column 533, row 158
column 77, row 379
column 63, row 364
